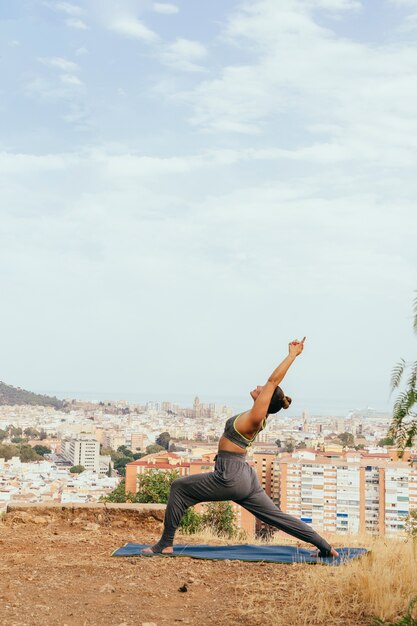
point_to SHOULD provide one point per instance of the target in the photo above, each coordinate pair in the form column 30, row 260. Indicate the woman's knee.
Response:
column 177, row 484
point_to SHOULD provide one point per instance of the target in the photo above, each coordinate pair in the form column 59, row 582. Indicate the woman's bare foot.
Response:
column 333, row 553
column 168, row 550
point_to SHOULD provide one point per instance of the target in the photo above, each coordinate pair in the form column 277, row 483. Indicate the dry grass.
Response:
column 378, row 585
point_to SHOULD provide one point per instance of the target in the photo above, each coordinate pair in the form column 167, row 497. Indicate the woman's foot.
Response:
column 168, row 550
column 333, row 553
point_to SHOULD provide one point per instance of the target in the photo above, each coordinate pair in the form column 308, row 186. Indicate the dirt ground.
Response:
column 60, row 572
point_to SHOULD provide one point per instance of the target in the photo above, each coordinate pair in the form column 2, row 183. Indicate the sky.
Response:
column 187, row 186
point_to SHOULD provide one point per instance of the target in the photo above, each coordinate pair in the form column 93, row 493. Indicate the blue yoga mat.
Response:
column 246, row 552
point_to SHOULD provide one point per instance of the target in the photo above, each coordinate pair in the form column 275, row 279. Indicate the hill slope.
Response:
column 15, row 395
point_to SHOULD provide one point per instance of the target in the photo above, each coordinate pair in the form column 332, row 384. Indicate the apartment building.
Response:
column 351, row 492
column 83, row 451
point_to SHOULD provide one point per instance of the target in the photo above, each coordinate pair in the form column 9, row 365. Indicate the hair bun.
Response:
column 286, row 401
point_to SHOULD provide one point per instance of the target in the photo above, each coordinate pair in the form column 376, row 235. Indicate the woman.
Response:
column 233, row 479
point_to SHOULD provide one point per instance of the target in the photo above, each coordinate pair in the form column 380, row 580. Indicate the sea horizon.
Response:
column 336, row 407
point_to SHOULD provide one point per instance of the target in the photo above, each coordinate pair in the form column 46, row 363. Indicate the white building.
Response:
column 83, row 451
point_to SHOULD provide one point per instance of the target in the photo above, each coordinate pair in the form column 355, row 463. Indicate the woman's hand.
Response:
column 296, row 347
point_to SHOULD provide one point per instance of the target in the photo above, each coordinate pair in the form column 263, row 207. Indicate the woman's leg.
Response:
column 186, row 492
column 261, row 505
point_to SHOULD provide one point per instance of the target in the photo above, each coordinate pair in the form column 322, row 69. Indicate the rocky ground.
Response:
column 58, row 570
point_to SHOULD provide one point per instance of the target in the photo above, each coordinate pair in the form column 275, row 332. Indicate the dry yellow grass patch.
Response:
column 380, row 584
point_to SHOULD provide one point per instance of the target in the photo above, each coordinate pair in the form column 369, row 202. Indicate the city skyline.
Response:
column 186, row 187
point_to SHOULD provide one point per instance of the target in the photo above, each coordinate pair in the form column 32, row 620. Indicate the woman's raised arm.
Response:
column 260, row 407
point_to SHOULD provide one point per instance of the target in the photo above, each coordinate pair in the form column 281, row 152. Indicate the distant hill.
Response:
column 15, row 395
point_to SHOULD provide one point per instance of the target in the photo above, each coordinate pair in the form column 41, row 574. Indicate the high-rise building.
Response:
column 350, row 492
column 83, row 451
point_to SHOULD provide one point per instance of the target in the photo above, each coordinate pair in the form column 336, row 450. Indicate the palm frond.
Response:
column 400, row 409
column 396, row 374
column 412, row 380
column 411, row 434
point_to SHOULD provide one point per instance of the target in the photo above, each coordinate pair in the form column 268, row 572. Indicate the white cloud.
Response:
column 59, row 63
column 165, row 8
column 133, row 28
column 334, row 5
column 311, row 247
column 360, row 97
column 69, row 9
column 71, row 80
column 183, row 54
column 76, row 23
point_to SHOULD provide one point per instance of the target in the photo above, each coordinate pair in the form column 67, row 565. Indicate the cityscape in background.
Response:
column 338, row 473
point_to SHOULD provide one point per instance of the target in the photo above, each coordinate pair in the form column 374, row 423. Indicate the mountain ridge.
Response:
column 10, row 395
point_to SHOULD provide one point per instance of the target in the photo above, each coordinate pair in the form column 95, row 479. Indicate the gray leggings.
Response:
column 232, row 479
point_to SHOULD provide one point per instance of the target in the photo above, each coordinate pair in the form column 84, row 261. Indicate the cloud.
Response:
column 68, row 79
column 133, row 28
column 352, row 102
column 59, row 63
column 172, row 233
column 183, row 55
column 333, row 5
column 76, row 23
column 68, row 8
column 165, row 8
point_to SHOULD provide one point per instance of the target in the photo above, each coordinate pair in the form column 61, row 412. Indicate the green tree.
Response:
column 124, row 451
column 109, row 471
column 77, row 469
column 154, row 485
column 120, row 464
column 119, row 495
column 43, row 435
column 41, row 450
column 7, row 452
column 163, row 440
column 278, row 443
column 15, row 431
column 289, row 445
column 403, row 428
column 386, row 441
column 3, row 434
column 27, row 454
column 347, row 440
column 219, row 516
column 17, row 439
column 154, row 448
column 191, row 521
column 301, row 445
column 31, row 432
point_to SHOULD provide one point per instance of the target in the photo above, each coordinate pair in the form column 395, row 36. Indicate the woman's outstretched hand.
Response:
column 296, row 347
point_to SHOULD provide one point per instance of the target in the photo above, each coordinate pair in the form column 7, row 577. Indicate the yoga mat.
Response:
column 246, row 552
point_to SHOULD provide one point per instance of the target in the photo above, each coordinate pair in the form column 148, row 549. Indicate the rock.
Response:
column 107, row 588
column 21, row 517
column 91, row 526
column 148, row 624
column 119, row 523
column 183, row 589
column 40, row 519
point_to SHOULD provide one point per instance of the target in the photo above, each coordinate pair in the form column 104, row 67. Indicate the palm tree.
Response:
column 403, row 427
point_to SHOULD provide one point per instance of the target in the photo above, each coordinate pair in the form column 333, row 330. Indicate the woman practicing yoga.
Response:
column 233, row 479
